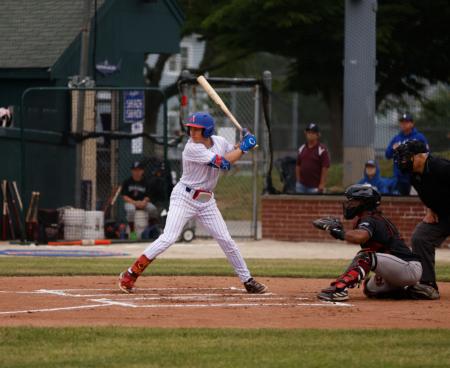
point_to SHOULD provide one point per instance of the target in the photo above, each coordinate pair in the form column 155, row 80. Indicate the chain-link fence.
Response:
column 292, row 112
column 79, row 146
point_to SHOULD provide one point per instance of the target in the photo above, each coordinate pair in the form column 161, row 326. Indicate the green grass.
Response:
column 142, row 347
column 43, row 266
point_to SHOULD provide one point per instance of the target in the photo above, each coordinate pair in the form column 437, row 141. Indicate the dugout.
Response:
column 41, row 47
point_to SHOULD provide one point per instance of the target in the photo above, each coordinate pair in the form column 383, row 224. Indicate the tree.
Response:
column 413, row 43
column 434, row 120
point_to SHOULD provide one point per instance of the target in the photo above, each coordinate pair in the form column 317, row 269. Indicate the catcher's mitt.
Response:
column 328, row 223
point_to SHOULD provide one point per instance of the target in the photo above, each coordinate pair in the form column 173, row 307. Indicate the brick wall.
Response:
column 289, row 217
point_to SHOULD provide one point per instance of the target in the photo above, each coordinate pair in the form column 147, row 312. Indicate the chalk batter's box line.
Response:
column 225, row 305
column 106, row 302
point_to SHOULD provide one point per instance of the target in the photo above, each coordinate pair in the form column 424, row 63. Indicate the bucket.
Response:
column 73, row 220
column 73, row 217
column 140, row 222
column 93, row 225
column 73, row 232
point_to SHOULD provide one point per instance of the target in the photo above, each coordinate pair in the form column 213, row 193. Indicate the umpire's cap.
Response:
column 409, row 148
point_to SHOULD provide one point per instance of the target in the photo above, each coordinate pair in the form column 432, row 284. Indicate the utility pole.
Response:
column 359, row 86
column 83, row 71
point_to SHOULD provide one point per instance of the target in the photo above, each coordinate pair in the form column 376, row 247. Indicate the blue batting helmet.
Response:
column 202, row 120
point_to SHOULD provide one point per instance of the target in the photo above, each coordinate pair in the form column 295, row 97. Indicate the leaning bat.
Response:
column 112, row 199
column 5, row 213
column 6, row 210
column 28, row 223
column 16, row 210
column 17, row 195
column 216, row 98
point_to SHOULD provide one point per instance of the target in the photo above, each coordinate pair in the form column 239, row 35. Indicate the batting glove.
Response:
column 248, row 142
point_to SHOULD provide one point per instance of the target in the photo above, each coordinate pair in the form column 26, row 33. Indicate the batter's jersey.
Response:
column 196, row 157
column 384, row 237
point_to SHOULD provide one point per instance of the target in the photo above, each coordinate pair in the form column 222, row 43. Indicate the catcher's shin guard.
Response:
column 362, row 264
column 128, row 278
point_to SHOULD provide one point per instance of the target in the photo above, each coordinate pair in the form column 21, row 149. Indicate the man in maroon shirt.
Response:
column 313, row 162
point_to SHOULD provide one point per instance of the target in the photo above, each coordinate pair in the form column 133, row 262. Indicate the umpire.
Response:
column 430, row 176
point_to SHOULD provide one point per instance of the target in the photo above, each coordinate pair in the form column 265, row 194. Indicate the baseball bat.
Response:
column 19, row 199
column 216, row 98
column 34, row 218
column 112, row 198
column 5, row 214
column 7, row 210
column 16, row 211
column 28, row 222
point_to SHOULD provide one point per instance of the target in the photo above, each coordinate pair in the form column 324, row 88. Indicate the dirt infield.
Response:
column 205, row 302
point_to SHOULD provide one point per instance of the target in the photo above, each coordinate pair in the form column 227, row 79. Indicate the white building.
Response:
column 192, row 50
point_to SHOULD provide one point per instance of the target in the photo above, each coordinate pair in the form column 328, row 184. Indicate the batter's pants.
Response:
column 393, row 273
column 425, row 239
column 183, row 208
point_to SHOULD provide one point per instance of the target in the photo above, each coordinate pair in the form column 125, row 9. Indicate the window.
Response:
column 184, row 53
column 178, row 62
column 172, row 64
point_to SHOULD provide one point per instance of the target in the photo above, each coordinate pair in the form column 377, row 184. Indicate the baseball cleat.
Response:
column 126, row 282
column 422, row 292
column 333, row 294
column 254, row 287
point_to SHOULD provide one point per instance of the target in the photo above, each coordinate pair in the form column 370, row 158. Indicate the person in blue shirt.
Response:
column 407, row 133
column 372, row 176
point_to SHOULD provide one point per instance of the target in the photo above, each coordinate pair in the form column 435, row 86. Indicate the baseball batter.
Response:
column 204, row 156
column 384, row 252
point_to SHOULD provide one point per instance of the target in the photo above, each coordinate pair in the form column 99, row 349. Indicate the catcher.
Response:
column 383, row 250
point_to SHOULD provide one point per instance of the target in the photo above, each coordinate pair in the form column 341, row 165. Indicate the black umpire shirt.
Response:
column 384, row 236
column 136, row 190
column 433, row 186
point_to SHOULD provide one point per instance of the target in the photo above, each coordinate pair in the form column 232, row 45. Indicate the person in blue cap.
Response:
column 407, row 133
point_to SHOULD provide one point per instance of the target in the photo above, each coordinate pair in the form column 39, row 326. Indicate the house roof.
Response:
column 34, row 34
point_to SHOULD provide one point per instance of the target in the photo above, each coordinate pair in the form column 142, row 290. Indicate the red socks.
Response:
column 139, row 265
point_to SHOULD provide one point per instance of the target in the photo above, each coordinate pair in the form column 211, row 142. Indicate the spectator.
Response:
column 372, row 176
column 407, row 133
column 313, row 162
column 135, row 193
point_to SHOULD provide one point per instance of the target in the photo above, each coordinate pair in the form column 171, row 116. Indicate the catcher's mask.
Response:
column 360, row 197
column 404, row 155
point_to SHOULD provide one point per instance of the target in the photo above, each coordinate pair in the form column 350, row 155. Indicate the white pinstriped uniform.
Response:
column 198, row 175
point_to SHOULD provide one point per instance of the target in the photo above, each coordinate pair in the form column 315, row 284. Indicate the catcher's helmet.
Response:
column 403, row 154
column 202, row 120
column 367, row 197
